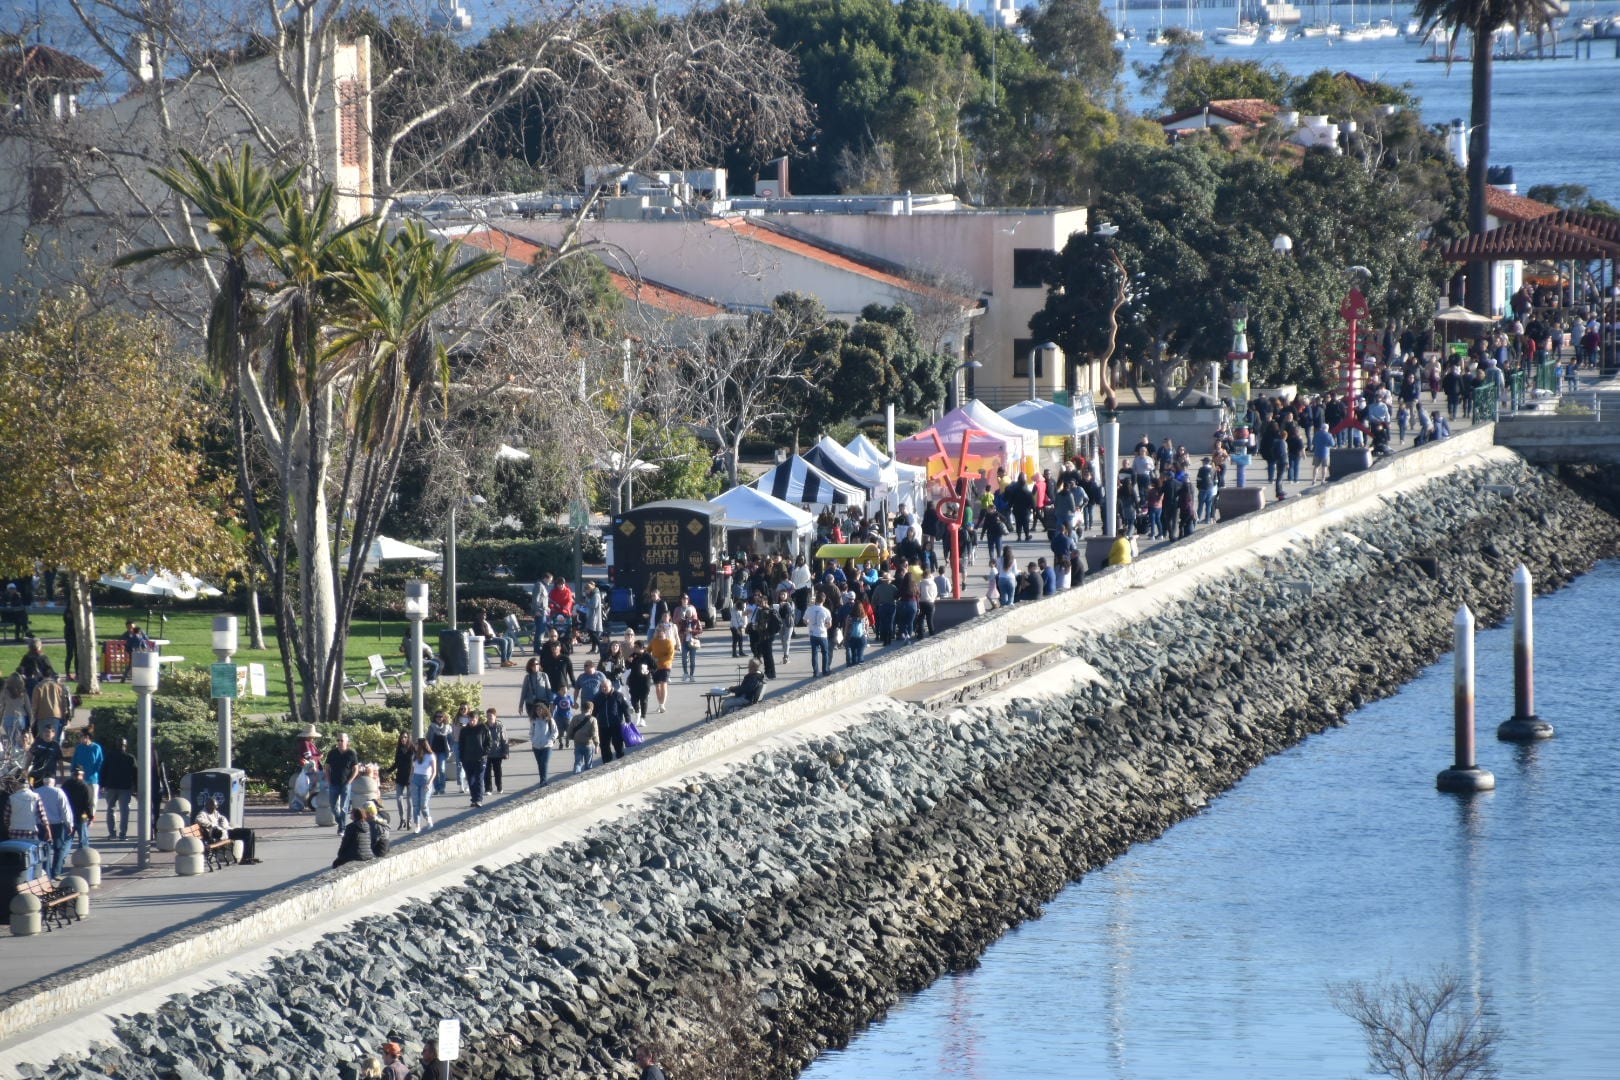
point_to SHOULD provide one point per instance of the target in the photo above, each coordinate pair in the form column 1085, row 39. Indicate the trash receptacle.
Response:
column 475, row 655
column 453, row 652
column 227, row 786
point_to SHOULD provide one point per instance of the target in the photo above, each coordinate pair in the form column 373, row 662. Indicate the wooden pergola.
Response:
column 1569, row 236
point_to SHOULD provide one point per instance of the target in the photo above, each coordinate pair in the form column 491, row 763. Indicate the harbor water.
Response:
column 1210, row 952
column 1546, row 114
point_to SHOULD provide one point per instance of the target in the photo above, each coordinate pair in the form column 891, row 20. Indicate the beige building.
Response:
column 82, row 193
column 972, row 276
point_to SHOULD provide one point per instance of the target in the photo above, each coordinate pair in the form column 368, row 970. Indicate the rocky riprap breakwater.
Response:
column 748, row 920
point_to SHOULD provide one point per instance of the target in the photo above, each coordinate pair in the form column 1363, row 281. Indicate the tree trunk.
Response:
column 84, row 630
column 1479, row 157
column 255, row 617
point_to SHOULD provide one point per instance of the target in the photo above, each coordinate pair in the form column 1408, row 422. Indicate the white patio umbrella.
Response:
column 386, row 547
column 181, row 586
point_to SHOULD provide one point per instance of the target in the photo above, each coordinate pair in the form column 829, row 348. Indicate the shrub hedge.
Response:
column 185, row 735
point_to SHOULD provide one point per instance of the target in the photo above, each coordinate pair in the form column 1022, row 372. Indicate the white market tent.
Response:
column 800, row 483
column 748, row 508
column 1057, row 425
column 912, row 480
column 832, row 458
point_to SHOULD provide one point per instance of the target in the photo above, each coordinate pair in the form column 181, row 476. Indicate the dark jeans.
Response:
column 737, row 642
column 475, row 780
column 542, row 761
column 118, row 798
column 638, row 696
column 885, row 619
column 611, row 735
column 492, row 774
column 925, row 619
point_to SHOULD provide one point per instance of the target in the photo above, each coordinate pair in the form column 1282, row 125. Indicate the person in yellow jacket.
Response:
column 663, row 646
column 1120, row 553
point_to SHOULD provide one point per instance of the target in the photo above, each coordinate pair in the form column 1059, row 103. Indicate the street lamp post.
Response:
column 953, row 399
column 1047, row 347
column 143, row 676
column 224, row 649
column 450, row 602
column 416, row 609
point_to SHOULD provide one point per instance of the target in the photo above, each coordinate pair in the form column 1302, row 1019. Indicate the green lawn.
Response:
column 190, row 634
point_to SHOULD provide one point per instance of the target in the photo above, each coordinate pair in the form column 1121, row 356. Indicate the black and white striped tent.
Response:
column 798, row 482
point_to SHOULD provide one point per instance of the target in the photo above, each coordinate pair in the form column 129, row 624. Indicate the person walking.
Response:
column 89, row 757
column 639, row 671
column 542, row 733
column 84, row 807
column 424, row 772
column 582, row 731
column 499, row 749
column 404, row 760
column 474, row 747
column 118, row 785
column 690, row 626
column 662, row 647
column 441, row 740
column 59, row 825
column 342, row 766
column 817, row 625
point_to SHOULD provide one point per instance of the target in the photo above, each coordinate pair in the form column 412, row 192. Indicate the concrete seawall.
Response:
column 541, row 843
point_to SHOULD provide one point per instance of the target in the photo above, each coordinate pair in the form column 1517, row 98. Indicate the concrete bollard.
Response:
column 25, row 909
column 87, row 864
column 1464, row 777
column 168, row 830
column 80, row 889
column 364, row 789
column 188, row 858
column 179, row 806
column 1525, row 725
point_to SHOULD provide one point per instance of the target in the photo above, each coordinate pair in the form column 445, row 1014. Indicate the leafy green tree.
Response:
column 1075, row 39
column 102, row 476
column 1573, row 197
column 1480, row 18
column 1187, row 78
column 333, row 348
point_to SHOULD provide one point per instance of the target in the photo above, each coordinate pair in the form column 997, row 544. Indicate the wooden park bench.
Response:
column 216, row 853
column 57, row 904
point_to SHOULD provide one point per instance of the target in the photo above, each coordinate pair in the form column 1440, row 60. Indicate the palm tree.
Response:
column 1481, row 18
column 328, row 333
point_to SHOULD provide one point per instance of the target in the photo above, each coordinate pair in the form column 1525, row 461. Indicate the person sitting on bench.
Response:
column 216, row 826
column 748, row 692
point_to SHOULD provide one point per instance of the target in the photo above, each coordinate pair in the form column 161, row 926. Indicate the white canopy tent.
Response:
column 911, row 480
column 385, row 548
column 797, row 482
column 748, row 508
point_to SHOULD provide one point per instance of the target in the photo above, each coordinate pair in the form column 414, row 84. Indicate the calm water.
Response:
column 1545, row 114
column 1207, row 953
column 1553, row 119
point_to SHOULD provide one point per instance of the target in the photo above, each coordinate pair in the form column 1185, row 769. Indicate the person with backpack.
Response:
column 582, row 730
column 763, row 627
column 1206, row 492
column 857, row 627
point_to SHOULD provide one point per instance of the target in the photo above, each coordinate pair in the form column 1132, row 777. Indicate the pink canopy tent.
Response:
column 993, row 442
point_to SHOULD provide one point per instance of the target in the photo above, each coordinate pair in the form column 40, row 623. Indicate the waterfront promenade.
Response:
column 136, row 907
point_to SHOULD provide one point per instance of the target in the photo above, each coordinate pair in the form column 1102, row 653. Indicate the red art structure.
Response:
column 951, row 506
column 1354, row 312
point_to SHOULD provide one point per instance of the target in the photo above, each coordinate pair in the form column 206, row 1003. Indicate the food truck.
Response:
column 674, row 546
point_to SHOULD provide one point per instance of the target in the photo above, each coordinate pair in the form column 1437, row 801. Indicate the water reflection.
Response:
column 1208, row 952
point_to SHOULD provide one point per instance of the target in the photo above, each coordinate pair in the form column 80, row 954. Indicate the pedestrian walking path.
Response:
column 134, row 906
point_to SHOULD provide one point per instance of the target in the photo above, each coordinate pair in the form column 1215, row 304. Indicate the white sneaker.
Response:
column 661, row 708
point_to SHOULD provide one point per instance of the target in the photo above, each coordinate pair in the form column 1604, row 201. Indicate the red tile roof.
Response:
column 648, row 293
column 1505, row 206
column 827, row 256
column 1563, row 234
column 38, row 62
column 1251, row 111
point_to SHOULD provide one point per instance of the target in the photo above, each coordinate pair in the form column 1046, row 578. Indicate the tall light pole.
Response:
column 224, row 648
column 143, row 676
column 1047, row 347
column 416, row 609
column 450, row 555
column 952, row 397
